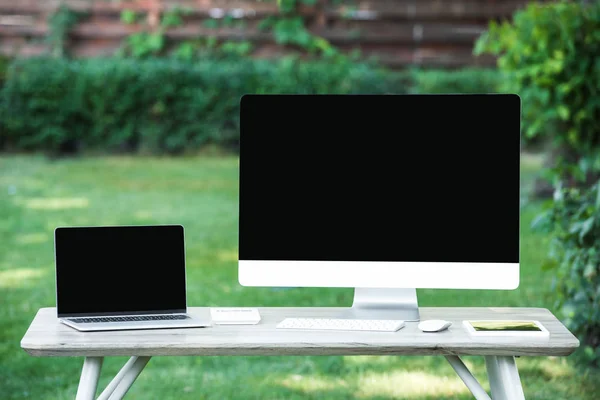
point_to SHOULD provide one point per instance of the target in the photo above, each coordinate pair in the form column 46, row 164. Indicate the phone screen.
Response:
column 503, row 326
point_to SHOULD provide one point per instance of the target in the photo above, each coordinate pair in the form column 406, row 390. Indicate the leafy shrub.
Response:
column 159, row 105
column 166, row 105
column 574, row 220
column 468, row 80
column 549, row 53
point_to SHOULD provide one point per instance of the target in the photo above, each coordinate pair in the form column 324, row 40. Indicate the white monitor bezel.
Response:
column 374, row 274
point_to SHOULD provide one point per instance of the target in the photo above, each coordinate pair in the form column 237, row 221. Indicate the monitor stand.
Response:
column 380, row 303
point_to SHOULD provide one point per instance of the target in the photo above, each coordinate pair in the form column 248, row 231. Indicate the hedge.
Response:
column 170, row 106
column 471, row 80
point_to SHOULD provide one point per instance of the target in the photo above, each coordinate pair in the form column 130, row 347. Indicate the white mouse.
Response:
column 434, row 325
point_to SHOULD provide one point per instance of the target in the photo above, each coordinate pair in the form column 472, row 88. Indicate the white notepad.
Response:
column 235, row 316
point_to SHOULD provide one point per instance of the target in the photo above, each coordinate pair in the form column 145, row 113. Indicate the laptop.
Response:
column 122, row 277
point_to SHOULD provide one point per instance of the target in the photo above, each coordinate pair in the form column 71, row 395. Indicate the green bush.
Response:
column 549, row 53
column 166, row 105
column 157, row 105
column 574, row 220
column 468, row 80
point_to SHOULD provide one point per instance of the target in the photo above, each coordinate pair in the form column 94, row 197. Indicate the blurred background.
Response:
column 127, row 112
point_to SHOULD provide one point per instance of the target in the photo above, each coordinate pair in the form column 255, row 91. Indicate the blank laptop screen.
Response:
column 117, row 270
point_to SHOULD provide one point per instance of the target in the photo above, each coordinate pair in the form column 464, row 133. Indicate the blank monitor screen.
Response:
column 116, row 270
column 417, row 178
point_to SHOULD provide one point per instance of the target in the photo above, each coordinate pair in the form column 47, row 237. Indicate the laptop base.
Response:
column 135, row 325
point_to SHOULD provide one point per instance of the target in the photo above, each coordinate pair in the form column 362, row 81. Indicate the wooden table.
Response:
column 48, row 337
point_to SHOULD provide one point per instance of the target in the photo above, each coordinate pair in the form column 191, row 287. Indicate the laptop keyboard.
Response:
column 132, row 318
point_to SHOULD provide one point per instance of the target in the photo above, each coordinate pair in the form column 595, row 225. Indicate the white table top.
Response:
column 48, row 337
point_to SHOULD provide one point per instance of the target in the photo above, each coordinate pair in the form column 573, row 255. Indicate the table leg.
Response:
column 463, row 372
column 504, row 378
column 125, row 378
column 88, row 382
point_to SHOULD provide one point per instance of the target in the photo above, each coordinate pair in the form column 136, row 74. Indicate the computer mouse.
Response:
column 434, row 325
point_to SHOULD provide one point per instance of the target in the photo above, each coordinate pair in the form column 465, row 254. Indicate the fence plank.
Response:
column 425, row 9
column 401, row 34
column 398, row 32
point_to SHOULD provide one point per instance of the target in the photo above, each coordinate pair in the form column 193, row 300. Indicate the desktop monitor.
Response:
column 382, row 193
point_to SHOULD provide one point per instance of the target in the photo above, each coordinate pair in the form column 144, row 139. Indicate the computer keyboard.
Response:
column 379, row 325
column 130, row 318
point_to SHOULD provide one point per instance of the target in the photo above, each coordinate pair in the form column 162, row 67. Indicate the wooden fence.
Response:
column 437, row 33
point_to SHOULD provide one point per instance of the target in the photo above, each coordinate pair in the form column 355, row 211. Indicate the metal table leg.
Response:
column 504, row 378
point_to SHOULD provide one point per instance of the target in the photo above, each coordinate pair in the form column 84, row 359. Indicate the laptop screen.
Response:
column 120, row 270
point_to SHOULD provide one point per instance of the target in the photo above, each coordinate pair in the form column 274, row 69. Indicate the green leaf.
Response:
column 586, row 227
column 170, row 19
column 266, row 24
column 322, row 44
column 541, row 222
column 185, row 51
column 286, row 6
column 289, row 30
column 481, row 44
column 590, row 271
column 563, row 112
column 128, row 16
column 156, row 41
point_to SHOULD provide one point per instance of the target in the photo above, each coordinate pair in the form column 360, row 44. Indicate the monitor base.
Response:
column 383, row 303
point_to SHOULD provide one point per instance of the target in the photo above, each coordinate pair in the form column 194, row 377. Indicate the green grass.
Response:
column 36, row 195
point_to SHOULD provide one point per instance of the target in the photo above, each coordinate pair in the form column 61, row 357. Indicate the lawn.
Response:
column 37, row 194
